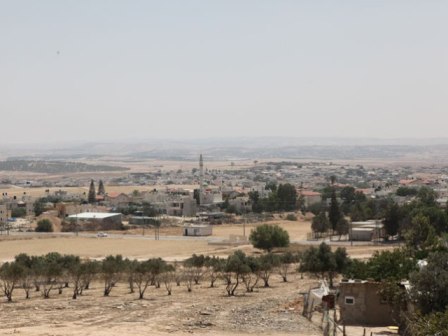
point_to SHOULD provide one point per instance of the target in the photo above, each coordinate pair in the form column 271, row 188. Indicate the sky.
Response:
column 91, row 70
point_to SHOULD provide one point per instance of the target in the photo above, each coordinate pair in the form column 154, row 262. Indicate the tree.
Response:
column 111, row 268
column 101, row 189
column 215, row 266
column 197, row 264
column 167, row 277
column 427, row 196
column 90, row 269
column 130, row 267
column 438, row 218
column 348, row 194
column 26, row 280
column 406, row 191
column 18, row 212
column 92, row 194
column 268, row 262
column 267, row 237
column 392, row 220
column 358, row 212
column 421, row 236
column 334, row 214
column 255, row 200
column 356, row 269
column 432, row 324
column 322, row 261
column 429, row 285
column 149, row 210
column 394, row 265
column 287, row 197
column 143, row 277
column 342, row 260
column 39, row 207
column 320, row 223
column 44, row 225
column 234, row 268
column 272, row 186
column 285, row 262
column 342, row 227
column 333, row 179
column 10, row 274
column 49, row 270
column 251, row 274
column 158, row 266
column 75, row 272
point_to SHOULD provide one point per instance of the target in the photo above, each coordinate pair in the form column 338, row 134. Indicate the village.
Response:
column 214, row 211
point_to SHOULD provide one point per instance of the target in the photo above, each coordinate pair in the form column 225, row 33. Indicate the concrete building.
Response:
column 242, row 204
column 361, row 304
column 3, row 214
column 143, row 220
column 96, row 220
column 117, row 199
column 198, row 230
column 310, row 197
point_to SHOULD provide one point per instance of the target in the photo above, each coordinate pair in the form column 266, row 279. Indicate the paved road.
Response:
column 149, row 235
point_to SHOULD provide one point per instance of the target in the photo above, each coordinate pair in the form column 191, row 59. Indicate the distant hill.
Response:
column 54, row 167
column 235, row 148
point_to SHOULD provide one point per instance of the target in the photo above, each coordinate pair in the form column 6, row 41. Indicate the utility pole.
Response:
column 76, row 225
column 351, row 233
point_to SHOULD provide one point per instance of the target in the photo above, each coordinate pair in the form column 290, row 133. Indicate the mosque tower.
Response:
column 201, row 180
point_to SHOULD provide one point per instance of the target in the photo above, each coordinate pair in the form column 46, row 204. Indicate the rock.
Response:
column 205, row 313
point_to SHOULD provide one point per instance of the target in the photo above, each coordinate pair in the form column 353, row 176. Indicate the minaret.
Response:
column 201, row 179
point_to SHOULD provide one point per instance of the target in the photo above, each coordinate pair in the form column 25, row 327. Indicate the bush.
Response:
column 291, row 217
column 266, row 237
column 44, row 225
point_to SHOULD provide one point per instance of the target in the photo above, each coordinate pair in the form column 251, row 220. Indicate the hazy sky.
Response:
column 101, row 70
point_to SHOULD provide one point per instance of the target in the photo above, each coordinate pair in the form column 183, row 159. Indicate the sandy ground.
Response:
column 143, row 247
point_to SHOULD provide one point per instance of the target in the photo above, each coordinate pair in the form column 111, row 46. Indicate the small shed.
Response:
column 198, row 230
column 361, row 304
column 361, row 234
column 367, row 230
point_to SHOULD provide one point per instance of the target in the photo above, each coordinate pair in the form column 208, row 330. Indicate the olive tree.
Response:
column 267, row 237
column 111, row 269
column 10, row 275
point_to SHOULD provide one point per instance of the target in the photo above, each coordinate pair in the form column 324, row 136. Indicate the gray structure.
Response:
column 97, row 220
column 361, row 304
column 198, row 230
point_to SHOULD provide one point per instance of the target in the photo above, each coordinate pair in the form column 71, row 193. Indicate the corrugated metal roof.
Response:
column 94, row 215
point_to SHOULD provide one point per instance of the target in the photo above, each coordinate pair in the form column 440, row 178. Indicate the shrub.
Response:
column 44, row 225
column 291, row 217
